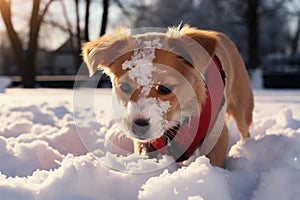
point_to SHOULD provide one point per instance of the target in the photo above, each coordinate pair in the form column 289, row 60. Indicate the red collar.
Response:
column 184, row 145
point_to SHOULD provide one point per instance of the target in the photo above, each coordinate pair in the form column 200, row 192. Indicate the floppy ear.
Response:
column 100, row 54
column 207, row 39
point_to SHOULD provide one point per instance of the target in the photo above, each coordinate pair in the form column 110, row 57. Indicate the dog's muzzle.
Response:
column 140, row 127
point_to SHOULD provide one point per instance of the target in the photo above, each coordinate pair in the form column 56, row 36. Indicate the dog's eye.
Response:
column 163, row 89
column 126, row 88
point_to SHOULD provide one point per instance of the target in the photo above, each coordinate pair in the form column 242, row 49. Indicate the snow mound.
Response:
column 194, row 181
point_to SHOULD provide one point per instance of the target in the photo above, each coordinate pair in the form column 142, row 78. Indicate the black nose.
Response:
column 140, row 127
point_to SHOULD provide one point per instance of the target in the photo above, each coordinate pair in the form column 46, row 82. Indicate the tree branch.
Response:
column 69, row 25
column 86, row 19
column 120, row 5
column 46, row 8
column 57, row 25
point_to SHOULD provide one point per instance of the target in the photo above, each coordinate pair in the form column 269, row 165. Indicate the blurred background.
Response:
column 41, row 40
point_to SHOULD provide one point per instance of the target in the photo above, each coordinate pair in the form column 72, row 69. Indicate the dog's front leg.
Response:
column 218, row 153
column 137, row 147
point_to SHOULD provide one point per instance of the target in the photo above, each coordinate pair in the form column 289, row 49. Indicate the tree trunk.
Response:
column 28, row 74
column 295, row 40
column 78, row 37
column 253, row 33
column 5, row 9
column 29, row 66
column 78, row 32
column 104, row 17
column 87, row 18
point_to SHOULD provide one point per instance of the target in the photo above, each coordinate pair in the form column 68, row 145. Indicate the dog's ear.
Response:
column 199, row 45
column 89, row 59
column 207, row 39
column 100, row 54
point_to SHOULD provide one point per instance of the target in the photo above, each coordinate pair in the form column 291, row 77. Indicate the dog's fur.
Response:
column 109, row 52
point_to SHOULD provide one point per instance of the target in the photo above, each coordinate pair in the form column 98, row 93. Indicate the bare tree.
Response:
column 78, row 29
column 293, row 11
column 105, row 4
column 87, row 17
column 25, row 58
column 295, row 39
column 252, row 23
column 243, row 21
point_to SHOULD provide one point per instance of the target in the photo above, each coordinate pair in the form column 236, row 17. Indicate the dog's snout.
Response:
column 140, row 127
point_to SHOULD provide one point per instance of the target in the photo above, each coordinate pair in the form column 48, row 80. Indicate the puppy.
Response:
column 177, row 88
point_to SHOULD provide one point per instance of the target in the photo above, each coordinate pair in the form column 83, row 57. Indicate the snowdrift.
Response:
column 43, row 155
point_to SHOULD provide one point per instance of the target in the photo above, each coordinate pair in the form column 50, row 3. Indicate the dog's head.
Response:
column 157, row 77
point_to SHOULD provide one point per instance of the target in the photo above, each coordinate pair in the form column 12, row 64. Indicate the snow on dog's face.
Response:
column 153, row 78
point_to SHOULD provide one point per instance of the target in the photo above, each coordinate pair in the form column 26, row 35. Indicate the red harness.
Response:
column 190, row 135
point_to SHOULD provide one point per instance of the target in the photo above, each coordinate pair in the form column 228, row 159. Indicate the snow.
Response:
column 50, row 150
column 141, row 65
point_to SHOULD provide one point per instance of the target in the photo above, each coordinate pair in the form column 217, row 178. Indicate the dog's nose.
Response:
column 140, row 127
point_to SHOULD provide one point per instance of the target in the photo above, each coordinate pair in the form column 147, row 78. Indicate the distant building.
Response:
column 62, row 61
column 65, row 59
column 44, row 62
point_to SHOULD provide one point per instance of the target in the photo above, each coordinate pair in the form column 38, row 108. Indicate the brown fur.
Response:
column 110, row 51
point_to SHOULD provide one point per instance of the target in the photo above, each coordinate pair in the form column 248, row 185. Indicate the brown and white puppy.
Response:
column 158, row 79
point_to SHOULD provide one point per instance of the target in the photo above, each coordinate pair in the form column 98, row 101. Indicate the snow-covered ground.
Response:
column 45, row 154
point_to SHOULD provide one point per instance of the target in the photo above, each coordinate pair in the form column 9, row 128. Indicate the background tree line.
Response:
column 259, row 27
column 25, row 44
